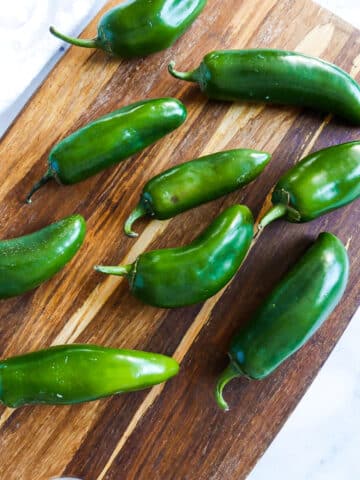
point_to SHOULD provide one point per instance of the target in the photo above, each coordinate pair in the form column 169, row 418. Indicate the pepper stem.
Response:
column 45, row 179
column 80, row 42
column 228, row 374
column 138, row 212
column 277, row 211
column 120, row 270
column 191, row 76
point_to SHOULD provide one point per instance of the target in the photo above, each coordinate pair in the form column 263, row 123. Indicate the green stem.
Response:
column 120, row 270
column 80, row 42
column 275, row 212
column 45, row 179
column 191, row 76
column 139, row 211
column 228, row 374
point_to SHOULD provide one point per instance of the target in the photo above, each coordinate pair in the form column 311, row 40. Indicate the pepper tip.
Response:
column 221, row 401
column 46, row 178
column 228, row 374
column 171, row 69
column 80, row 42
column 120, row 270
column 128, row 229
column 138, row 212
column 131, row 234
column 188, row 76
column 278, row 210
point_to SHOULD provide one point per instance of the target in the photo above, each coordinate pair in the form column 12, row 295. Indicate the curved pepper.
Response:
column 277, row 76
column 291, row 314
column 138, row 28
column 198, row 181
column 176, row 277
column 69, row 374
column 111, row 139
column 28, row 261
column 319, row 183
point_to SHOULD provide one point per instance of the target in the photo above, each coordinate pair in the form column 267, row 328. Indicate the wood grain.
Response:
column 173, row 431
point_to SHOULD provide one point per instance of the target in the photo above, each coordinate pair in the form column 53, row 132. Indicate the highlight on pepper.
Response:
column 68, row 374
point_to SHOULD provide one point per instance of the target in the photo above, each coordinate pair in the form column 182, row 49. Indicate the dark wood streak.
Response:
column 183, row 435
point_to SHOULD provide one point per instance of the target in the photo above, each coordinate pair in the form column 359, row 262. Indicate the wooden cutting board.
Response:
column 173, row 431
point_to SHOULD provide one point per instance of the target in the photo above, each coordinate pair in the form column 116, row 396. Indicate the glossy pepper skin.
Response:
column 291, row 314
column 28, row 261
column 192, row 183
column 111, row 139
column 176, row 277
column 136, row 28
column 279, row 77
column 69, row 374
column 321, row 182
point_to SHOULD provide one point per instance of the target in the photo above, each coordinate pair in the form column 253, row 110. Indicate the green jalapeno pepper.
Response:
column 69, row 374
column 176, row 277
column 276, row 76
column 28, row 261
column 198, row 181
column 110, row 139
column 138, row 28
column 319, row 183
column 291, row 314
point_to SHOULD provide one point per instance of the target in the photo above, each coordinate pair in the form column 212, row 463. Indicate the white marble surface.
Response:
column 28, row 51
column 321, row 439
